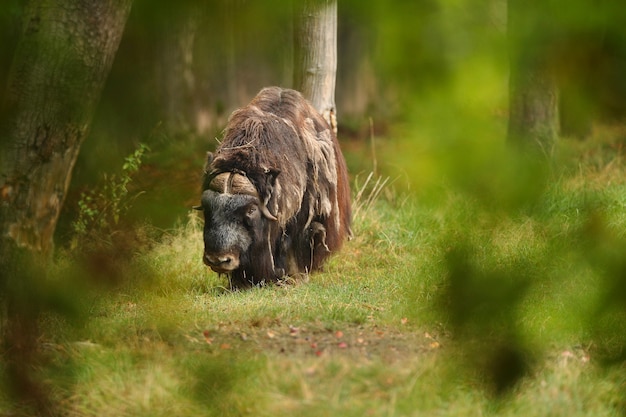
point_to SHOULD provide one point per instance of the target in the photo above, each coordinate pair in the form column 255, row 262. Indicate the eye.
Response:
column 252, row 213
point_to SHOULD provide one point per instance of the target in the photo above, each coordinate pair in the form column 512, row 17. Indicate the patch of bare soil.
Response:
column 365, row 342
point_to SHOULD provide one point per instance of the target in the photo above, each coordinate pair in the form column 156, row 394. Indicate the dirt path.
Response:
column 366, row 342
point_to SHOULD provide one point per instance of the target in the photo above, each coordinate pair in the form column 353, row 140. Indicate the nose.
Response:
column 222, row 263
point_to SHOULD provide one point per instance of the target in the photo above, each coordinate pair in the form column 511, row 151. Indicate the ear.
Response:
column 271, row 174
column 270, row 181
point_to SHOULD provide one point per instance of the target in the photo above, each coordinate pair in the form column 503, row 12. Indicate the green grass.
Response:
column 441, row 305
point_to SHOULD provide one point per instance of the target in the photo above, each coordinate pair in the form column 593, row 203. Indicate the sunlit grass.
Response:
column 383, row 330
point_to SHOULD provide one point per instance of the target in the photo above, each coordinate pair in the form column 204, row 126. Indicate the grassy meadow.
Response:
column 477, row 294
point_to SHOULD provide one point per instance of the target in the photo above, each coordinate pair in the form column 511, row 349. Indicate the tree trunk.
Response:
column 61, row 62
column 176, row 76
column 315, row 55
column 59, row 68
column 533, row 91
column 356, row 80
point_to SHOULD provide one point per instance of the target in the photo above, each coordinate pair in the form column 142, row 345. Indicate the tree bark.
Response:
column 533, row 90
column 63, row 57
column 315, row 55
column 176, row 76
column 355, row 92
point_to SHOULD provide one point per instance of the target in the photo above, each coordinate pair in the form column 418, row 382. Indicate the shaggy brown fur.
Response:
column 282, row 149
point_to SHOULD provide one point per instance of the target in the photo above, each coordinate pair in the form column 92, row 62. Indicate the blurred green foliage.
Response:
column 518, row 254
column 101, row 208
column 452, row 137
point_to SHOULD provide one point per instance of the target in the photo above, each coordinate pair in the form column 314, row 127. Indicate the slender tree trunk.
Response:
column 533, row 91
column 61, row 62
column 356, row 80
column 176, row 76
column 315, row 55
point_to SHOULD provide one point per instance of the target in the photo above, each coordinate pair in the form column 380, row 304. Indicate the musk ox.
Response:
column 276, row 197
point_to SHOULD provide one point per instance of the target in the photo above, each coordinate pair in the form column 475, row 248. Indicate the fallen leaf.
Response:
column 434, row 344
column 271, row 334
column 338, row 334
column 342, row 345
column 404, row 320
column 224, row 346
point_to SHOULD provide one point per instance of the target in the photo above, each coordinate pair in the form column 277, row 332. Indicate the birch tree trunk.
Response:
column 315, row 55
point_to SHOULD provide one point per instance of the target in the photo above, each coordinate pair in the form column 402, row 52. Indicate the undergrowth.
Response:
column 446, row 306
column 101, row 208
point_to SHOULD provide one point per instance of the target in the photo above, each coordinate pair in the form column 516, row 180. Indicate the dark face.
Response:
column 232, row 224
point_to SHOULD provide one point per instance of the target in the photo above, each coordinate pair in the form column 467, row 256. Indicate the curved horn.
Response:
column 233, row 183
column 218, row 183
column 239, row 183
column 242, row 185
column 266, row 212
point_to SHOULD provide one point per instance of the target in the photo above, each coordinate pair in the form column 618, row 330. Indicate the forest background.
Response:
column 510, row 261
